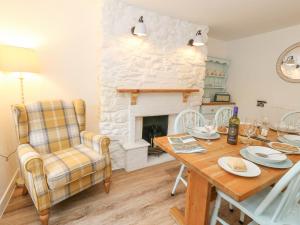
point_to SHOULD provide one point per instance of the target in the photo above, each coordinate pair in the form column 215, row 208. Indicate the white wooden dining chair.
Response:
column 279, row 205
column 223, row 115
column 184, row 121
column 291, row 119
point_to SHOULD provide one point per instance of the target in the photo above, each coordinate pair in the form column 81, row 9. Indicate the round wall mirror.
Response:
column 288, row 64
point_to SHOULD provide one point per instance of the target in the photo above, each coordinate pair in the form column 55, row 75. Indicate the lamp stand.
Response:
column 21, row 78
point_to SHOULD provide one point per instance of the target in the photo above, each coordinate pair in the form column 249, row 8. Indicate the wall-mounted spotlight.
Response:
column 198, row 40
column 290, row 61
column 140, row 28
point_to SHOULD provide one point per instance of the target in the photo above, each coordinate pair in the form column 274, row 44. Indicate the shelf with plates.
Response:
column 216, row 76
column 214, row 82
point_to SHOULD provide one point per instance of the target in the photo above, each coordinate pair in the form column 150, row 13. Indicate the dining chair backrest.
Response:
column 291, row 119
column 223, row 115
column 188, row 119
column 289, row 205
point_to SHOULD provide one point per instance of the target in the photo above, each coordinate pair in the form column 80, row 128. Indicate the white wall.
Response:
column 217, row 48
column 65, row 35
column 253, row 76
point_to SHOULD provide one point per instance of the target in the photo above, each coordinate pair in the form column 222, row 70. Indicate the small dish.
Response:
column 252, row 169
column 274, row 156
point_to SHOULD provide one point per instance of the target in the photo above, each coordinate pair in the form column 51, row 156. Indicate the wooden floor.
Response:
column 137, row 198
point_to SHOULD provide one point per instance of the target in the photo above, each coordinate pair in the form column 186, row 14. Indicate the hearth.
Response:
column 154, row 126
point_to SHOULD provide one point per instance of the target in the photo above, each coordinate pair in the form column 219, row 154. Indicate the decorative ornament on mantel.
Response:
column 139, row 29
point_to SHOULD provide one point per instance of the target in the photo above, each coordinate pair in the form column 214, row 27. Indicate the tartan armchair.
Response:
column 58, row 158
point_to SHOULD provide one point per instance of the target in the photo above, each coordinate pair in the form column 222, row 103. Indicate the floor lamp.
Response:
column 18, row 60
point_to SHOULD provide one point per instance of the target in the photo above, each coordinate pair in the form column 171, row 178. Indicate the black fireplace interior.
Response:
column 154, row 126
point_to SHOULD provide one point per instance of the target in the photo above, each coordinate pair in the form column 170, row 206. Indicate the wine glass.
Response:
column 211, row 127
column 282, row 129
column 250, row 129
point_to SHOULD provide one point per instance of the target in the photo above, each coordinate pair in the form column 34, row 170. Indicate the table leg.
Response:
column 197, row 203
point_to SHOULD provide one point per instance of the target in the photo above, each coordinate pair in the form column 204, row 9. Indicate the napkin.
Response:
column 237, row 164
column 202, row 130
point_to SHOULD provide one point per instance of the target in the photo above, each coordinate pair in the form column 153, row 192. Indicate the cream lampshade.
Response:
column 17, row 59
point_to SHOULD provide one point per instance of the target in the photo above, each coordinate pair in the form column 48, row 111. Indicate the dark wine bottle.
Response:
column 233, row 131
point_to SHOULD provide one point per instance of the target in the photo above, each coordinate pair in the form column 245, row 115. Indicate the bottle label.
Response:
column 233, row 133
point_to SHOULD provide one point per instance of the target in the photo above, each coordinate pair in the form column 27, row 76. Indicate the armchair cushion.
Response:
column 53, row 126
column 65, row 166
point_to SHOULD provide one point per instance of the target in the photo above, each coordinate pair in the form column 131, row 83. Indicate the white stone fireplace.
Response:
column 151, row 104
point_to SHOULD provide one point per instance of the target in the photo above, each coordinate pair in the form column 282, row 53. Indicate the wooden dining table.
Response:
column 204, row 174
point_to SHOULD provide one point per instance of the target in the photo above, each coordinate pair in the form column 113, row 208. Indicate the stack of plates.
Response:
column 275, row 159
column 201, row 132
column 291, row 139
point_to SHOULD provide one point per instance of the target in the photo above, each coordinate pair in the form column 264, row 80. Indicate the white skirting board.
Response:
column 8, row 193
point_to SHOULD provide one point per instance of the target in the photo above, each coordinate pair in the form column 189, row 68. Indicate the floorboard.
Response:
column 137, row 198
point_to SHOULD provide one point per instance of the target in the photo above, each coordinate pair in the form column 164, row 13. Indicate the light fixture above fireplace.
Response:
column 198, row 40
column 139, row 29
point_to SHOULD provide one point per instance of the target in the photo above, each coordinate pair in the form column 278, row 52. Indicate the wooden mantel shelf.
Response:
column 134, row 92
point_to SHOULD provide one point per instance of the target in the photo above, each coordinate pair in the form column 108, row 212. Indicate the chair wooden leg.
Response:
column 24, row 190
column 106, row 183
column 44, row 217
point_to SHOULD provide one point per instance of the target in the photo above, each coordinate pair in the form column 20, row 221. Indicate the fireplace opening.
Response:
column 154, row 126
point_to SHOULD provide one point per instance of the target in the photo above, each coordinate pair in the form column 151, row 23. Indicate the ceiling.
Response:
column 230, row 19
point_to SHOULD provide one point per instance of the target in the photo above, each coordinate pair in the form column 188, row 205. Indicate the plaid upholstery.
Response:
column 98, row 143
column 75, row 187
column 21, row 121
column 79, row 106
column 57, row 161
column 66, row 166
column 91, row 140
column 52, row 126
column 33, row 171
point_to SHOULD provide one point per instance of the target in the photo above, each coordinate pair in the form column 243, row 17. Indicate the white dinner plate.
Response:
column 252, row 150
column 284, row 140
column 252, row 169
column 201, row 130
column 287, row 130
column 270, row 144
column 205, row 136
column 292, row 137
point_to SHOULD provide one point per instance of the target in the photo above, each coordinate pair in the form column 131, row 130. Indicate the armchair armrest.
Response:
column 30, row 160
column 32, row 168
column 100, row 144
